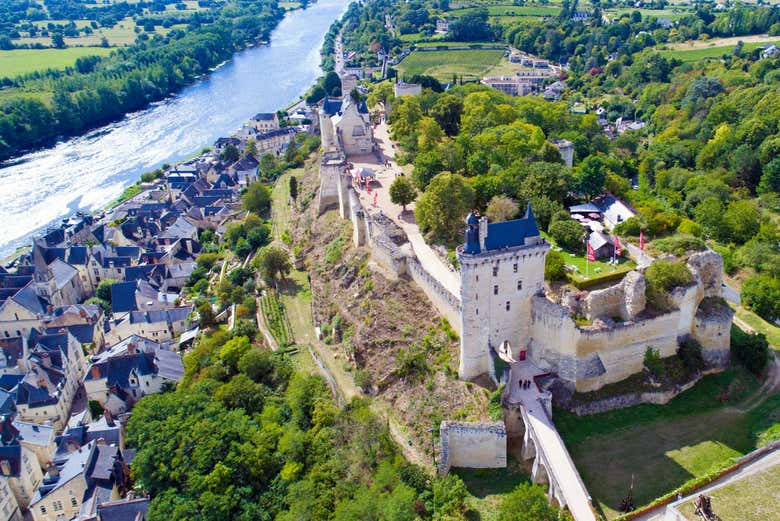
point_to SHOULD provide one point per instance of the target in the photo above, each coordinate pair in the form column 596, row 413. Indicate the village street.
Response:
column 429, row 259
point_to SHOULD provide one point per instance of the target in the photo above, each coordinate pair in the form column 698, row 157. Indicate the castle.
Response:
column 504, row 308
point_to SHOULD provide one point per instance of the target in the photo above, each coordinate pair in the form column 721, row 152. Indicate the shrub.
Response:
column 662, row 276
column 751, row 350
column 554, row 266
column 653, row 363
column 690, row 354
column 363, row 380
column 679, row 244
column 411, row 363
column 629, row 227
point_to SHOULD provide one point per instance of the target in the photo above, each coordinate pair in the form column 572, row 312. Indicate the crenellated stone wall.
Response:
column 471, row 445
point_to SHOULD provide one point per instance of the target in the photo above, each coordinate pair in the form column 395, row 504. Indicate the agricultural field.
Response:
column 471, row 64
column 511, row 10
column 120, row 35
column 23, row 61
column 661, row 447
column 276, row 318
column 672, row 14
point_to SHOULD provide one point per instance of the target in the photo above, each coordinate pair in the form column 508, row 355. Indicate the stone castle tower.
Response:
column 501, row 269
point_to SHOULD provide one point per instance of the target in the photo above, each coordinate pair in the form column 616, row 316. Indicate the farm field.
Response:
column 511, row 10
column 23, row 61
column 663, row 447
column 471, row 64
column 120, row 35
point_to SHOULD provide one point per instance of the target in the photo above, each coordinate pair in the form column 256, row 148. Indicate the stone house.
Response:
column 158, row 324
column 9, row 507
column 265, row 121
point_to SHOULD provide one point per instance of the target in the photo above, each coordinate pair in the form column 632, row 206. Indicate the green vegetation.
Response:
column 25, row 61
column 752, row 350
column 716, row 51
column 754, row 497
column 276, row 318
column 662, row 277
column 442, row 65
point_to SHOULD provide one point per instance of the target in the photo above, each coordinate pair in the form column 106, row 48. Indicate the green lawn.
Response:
column 23, row 61
column 663, row 446
column 694, row 55
column 591, row 271
column 487, row 487
column 471, row 64
column 755, row 497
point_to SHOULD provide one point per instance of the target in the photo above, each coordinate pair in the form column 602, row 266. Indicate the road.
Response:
column 429, row 259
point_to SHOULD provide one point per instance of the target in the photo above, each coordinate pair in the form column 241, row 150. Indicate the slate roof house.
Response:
column 118, row 381
column 93, row 474
column 19, row 469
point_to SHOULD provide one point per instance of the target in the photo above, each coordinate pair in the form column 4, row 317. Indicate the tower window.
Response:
column 495, row 271
column 495, row 290
column 519, row 285
column 477, row 313
column 514, row 267
column 507, row 305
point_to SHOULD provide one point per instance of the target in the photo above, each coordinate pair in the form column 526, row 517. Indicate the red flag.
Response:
column 591, row 253
column 641, row 240
column 375, row 194
column 368, row 186
column 618, row 249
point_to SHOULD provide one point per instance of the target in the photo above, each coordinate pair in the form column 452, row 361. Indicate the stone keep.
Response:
column 501, row 269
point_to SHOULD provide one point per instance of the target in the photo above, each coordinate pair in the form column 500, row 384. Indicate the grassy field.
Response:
column 587, row 271
column 512, row 10
column 487, row 486
column 715, row 51
column 663, row 446
column 755, row 497
column 120, row 35
column 472, row 64
column 22, row 61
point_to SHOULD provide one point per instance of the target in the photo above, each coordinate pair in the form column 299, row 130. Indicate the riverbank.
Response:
column 87, row 172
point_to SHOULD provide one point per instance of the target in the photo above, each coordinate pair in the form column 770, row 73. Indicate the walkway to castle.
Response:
column 432, row 262
column 549, row 441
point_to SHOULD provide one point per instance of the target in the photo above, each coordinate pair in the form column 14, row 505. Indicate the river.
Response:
column 86, row 173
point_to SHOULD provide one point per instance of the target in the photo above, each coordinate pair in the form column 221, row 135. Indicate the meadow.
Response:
column 471, row 64
column 715, row 49
column 23, row 61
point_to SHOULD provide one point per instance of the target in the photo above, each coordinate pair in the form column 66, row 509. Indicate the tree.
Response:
column 57, row 41
column 232, row 351
column 770, row 179
column 709, row 214
column 762, row 295
column 752, row 350
column 661, row 278
column 449, row 497
column 742, row 220
column 206, row 315
column 293, row 186
column 591, row 176
column 251, row 147
column 554, row 266
column 446, row 111
column 568, row 234
column 529, row 499
column 441, row 209
column 402, row 192
column 471, row 27
column 273, row 262
column 256, row 199
column 230, row 153
column 103, row 291
column 501, row 208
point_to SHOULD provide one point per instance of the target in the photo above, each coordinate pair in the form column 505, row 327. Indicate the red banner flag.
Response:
column 618, row 249
column 641, row 240
column 591, row 253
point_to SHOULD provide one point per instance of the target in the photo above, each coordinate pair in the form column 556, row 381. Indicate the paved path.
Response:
column 429, row 259
column 767, row 461
column 549, row 441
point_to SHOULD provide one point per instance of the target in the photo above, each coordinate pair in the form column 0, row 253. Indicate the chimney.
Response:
column 82, row 313
column 50, row 309
column 101, row 441
column 109, row 418
column 483, row 231
column 95, row 371
column 131, row 348
column 52, row 470
column 5, row 467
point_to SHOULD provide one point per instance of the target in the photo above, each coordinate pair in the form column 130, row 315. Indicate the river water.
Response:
column 88, row 172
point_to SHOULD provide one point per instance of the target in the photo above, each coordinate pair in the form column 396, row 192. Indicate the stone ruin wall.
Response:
column 471, row 445
column 591, row 357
